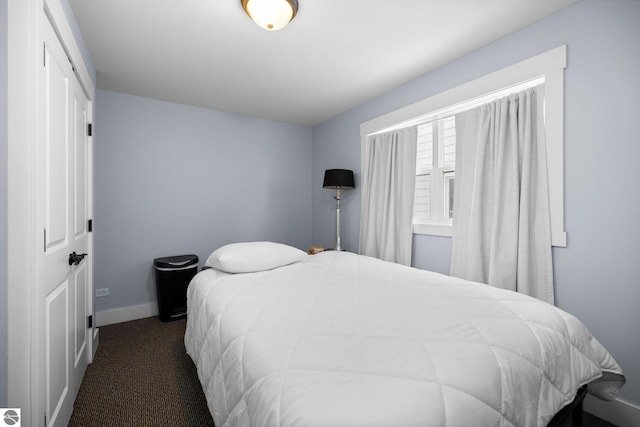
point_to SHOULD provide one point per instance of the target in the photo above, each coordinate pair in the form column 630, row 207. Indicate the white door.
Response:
column 62, row 329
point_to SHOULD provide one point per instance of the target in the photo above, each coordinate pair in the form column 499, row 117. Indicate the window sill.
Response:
column 558, row 240
column 433, row 229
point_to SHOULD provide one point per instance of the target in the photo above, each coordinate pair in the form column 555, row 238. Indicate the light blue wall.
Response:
column 3, row 203
column 597, row 275
column 172, row 179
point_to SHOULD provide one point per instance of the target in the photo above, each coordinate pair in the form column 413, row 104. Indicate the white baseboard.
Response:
column 618, row 411
column 96, row 342
column 125, row 314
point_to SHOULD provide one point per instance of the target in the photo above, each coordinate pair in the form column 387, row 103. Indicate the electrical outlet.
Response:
column 104, row 292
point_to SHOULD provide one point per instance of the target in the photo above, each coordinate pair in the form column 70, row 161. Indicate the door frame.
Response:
column 25, row 53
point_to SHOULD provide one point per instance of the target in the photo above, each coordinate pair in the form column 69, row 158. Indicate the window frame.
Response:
column 550, row 65
column 438, row 174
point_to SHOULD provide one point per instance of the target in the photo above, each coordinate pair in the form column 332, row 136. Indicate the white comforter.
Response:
column 348, row 340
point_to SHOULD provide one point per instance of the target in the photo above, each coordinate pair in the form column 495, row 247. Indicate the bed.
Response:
column 339, row 339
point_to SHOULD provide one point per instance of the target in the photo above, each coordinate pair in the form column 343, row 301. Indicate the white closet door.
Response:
column 62, row 206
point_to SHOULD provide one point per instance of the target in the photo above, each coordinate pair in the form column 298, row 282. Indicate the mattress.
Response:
column 347, row 340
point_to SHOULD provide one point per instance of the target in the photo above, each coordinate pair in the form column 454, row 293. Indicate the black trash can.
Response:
column 173, row 275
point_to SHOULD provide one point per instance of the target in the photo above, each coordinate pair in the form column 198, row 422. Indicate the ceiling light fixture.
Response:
column 271, row 15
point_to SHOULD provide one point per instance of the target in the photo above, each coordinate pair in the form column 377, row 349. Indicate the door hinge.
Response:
column 44, row 54
column 90, row 321
column 45, row 241
column 89, row 129
column 90, row 225
column 45, row 419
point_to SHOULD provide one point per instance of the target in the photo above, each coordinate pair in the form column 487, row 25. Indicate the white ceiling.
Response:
column 333, row 56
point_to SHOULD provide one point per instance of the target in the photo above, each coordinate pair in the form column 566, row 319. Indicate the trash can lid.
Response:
column 177, row 261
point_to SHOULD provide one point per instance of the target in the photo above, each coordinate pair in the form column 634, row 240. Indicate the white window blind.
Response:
column 424, row 160
column 449, row 141
column 422, row 198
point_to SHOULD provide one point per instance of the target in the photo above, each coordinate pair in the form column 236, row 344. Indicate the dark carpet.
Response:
column 142, row 376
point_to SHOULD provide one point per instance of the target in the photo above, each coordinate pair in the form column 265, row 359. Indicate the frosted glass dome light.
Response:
column 271, row 15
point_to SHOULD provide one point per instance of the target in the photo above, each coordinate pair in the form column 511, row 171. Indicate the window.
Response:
column 435, row 172
column 435, row 175
column 436, row 160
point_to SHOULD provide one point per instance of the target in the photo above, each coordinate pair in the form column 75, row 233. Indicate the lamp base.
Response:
column 338, row 229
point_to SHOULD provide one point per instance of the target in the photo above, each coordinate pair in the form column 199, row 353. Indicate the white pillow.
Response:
column 250, row 257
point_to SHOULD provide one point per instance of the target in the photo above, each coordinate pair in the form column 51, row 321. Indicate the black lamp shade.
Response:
column 338, row 178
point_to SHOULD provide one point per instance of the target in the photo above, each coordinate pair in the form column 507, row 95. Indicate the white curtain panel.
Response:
column 388, row 175
column 501, row 220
